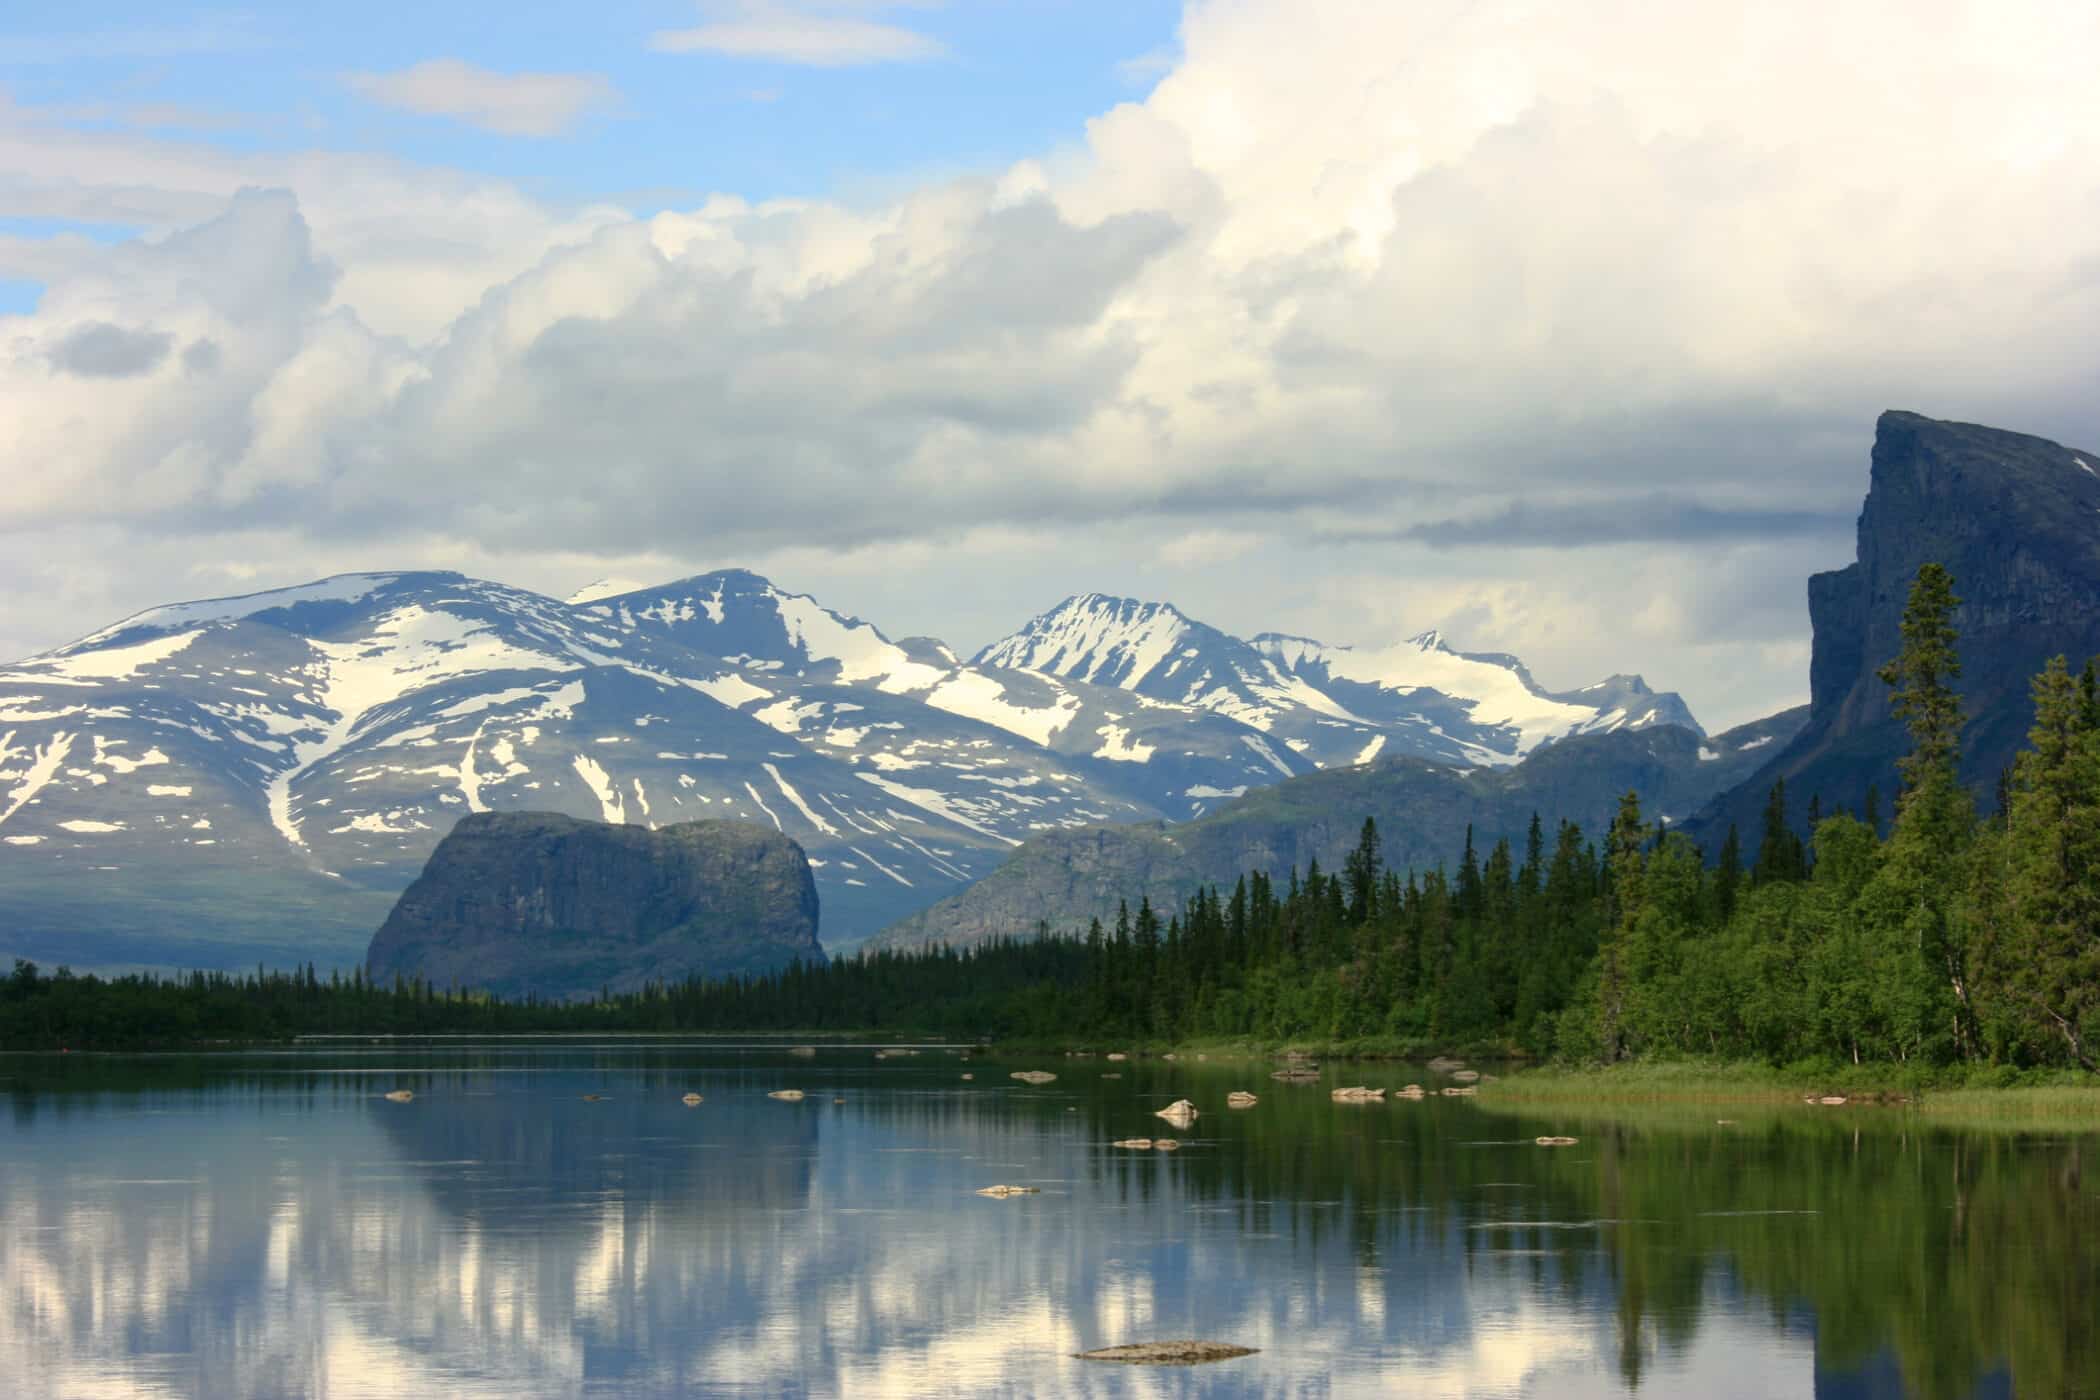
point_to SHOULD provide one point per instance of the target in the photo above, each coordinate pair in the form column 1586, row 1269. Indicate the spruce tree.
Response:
column 1730, row 874
column 2054, row 834
column 1921, row 681
column 1625, row 845
column 1361, row 870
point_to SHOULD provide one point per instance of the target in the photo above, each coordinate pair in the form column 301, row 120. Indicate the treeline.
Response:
column 1950, row 938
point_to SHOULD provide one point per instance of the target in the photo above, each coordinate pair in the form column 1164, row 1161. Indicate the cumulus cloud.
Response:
column 509, row 104
column 1568, row 326
column 100, row 350
column 814, row 35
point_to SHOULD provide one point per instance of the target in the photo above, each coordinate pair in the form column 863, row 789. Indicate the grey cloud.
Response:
column 1644, row 519
column 202, row 356
column 103, row 350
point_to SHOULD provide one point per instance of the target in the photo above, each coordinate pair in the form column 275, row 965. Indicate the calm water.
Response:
column 269, row 1225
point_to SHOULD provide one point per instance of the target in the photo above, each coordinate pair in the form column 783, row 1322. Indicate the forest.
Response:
column 1934, row 936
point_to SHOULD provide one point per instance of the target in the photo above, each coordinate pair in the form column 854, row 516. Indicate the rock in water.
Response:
column 518, row 902
column 1177, row 1353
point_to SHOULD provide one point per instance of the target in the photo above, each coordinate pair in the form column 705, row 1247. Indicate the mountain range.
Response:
column 257, row 778
column 2015, row 518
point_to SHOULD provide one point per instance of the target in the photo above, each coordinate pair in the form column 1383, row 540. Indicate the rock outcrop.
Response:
column 534, row 902
column 2016, row 520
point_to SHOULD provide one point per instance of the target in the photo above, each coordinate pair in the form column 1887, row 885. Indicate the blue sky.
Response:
column 1000, row 79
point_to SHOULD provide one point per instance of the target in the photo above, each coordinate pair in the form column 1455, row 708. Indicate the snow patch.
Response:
column 1261, row 747
column 795, row 797
column 730, row 689
column 44, row 764
column 90, row 828
column 1201, row 790
column 763, row 807
column 601, row 786
column 1370, row 750
column 166, row 790
column 938, row 803
column 1118, row 746
column 975, row 695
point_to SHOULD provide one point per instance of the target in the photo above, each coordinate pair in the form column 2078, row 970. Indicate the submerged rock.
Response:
column 1240, row 1098
column 535, row 902
column 1357, row 1094
column 1117, row 1055
column 1032, row 1076
column 1177, row 1353
column 690, row 1100
column 1557, row 1142
column 787, row 1095
column 1460, row 1091
column 400, row 1095
column 1466, row 1076
column 1135, row 1144
column 1297, row 1076
column 1004, row 1191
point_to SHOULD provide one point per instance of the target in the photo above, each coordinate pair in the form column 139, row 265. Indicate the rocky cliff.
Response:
column 1422, row 810
column 536, row 902
column 2016, row 519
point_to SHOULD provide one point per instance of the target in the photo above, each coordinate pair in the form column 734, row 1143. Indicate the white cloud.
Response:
column 811, row 34
column 509, row 104
column 1367, row 318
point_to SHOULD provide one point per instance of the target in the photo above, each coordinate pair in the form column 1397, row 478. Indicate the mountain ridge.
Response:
column 169, row 782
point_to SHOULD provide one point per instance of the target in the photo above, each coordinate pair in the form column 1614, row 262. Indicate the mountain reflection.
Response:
column 288, row 1232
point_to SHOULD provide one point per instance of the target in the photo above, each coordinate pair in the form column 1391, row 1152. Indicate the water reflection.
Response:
column 273, row 1227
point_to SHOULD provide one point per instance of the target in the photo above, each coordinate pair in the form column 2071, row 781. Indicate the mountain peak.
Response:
column 1095, row 637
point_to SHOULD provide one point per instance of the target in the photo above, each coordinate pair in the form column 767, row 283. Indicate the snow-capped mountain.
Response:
column 211, row 782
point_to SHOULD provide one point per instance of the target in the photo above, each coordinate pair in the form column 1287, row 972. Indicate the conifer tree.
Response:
column 1730, row 874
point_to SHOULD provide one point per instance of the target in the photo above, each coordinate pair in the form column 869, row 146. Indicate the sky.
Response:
column 1562, row 329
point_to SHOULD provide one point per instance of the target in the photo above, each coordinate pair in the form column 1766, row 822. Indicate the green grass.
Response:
column 1975, row 1096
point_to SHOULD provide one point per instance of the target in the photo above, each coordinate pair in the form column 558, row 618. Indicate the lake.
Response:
column 269, row 1224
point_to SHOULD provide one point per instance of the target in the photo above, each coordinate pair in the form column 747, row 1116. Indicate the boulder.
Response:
column 1180, row 1113
column 1240, row 1098
column 517, row 903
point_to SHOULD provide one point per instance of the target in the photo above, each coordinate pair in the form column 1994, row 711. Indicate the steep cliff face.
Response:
column 1422, row 810
column 2016, row 519
column 518, row 902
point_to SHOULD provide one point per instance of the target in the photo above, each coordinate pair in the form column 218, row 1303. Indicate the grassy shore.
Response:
column 1951, row 1095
